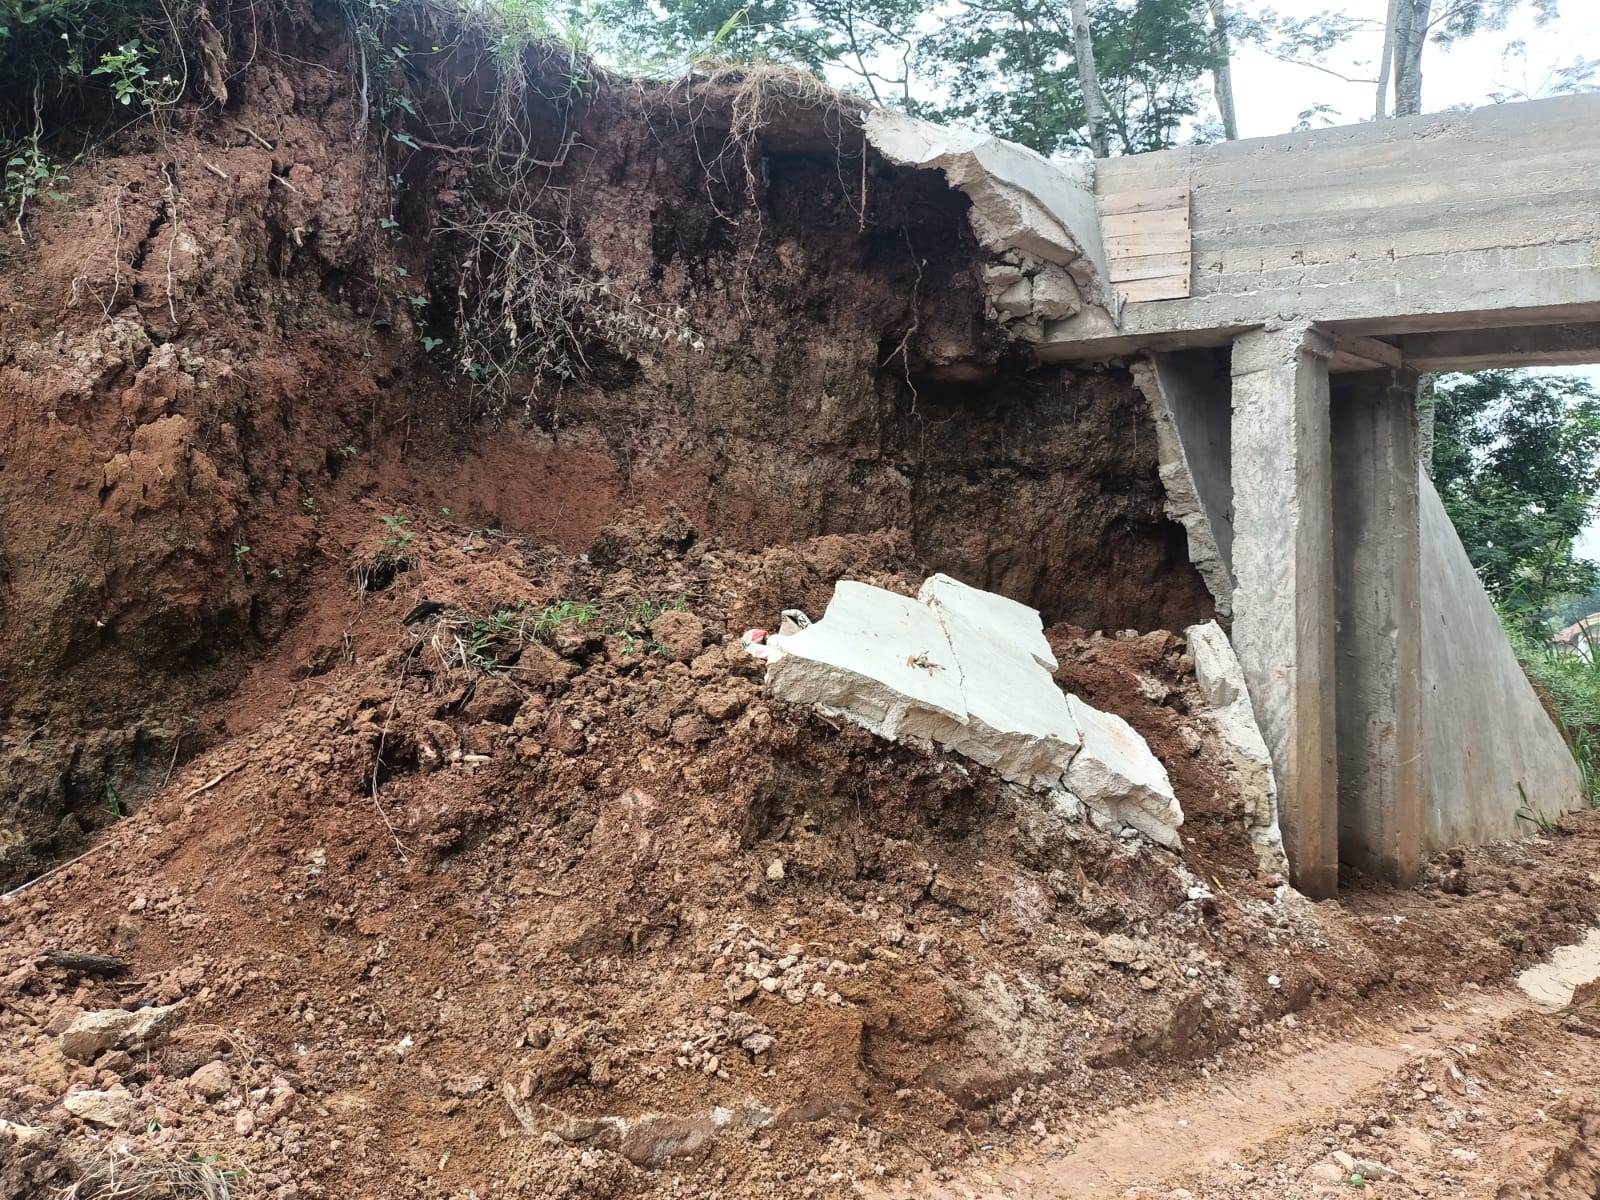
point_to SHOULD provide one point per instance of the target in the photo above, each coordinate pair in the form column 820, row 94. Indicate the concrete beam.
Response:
column 1283, row 599
column 1481, row 349
column 1352, row 352
column 1441, row 222
column 1378, row 580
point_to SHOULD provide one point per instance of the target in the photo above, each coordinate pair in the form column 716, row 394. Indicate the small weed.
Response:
column 239, row 551
column 394, row 546
column 566, row 610
column 309, row 506
column 30, row 173
column 128, row 68
column 276, row 572
column 346, row 452
column 488, row 642
column 1532, row 815
column 114, row 805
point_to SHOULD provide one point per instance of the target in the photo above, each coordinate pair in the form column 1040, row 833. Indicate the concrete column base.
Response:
column 1378, row 600
column 1283, row 599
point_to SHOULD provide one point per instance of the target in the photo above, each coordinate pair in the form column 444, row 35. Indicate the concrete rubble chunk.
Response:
column 878, row 659
column 1117, row 777
column 93, row 1033
column 999, row 616
column 1017, row 718
column 972, row 671
column 1221, row 682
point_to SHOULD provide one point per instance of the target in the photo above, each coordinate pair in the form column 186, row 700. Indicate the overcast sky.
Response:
column 1270, row 95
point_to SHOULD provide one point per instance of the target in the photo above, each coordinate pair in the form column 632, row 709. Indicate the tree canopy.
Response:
column 1517, row 462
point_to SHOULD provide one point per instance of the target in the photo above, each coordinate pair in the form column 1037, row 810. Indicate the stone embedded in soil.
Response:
column 212, row 1081
column 93, row 1033
column 112, row 1107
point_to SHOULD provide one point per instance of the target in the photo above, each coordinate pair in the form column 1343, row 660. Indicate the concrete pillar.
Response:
column 1283, row 623
column 1378, row 599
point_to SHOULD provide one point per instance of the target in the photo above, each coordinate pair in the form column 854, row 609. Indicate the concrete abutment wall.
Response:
column 1279, row 360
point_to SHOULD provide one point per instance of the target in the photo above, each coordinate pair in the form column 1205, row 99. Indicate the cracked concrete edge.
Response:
column 1221, row 681
column 1182, row 502
column 1024, row 206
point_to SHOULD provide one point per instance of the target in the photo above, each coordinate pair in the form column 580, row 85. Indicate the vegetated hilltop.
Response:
column 383, row 250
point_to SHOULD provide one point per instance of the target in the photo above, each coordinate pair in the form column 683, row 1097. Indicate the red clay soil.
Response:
column 475, row 907
column 206, row 347
column 542, row 893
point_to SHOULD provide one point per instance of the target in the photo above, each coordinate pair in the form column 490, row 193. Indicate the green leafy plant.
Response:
column 239, row 551
column 308, row 505
column 29, row 174
column 1569, row 679
column 395, row 545
column 114, row 804
column 128, row 71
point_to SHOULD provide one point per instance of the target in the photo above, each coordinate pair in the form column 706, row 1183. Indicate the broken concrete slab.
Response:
column 1220, row 679
column 971, row 671
column 1000, row 616
column 1117, row 778
column 876, row 658
column 1018, row 722
column 1039, row 210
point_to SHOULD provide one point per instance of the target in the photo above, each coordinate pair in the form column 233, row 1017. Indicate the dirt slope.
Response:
column 592, row 914
column 245, row 318
column 533, row 889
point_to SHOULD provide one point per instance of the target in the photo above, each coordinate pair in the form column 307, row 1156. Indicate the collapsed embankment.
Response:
column 525, row 299
column 545, row 894
column 541, row 891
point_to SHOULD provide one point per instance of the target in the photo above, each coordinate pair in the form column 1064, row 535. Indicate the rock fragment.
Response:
column 112, row 1107
column 93, row 1033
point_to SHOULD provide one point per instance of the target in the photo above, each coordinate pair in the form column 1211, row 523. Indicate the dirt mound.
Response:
column 243, row 320
column 543, row 890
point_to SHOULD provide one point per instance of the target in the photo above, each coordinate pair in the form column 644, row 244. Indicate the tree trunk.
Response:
column 1391, row 26
column 1410, row 39
column 1094, row 100
column 1222, row 72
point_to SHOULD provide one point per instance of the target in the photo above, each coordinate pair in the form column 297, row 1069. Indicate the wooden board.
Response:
column 1147, row 234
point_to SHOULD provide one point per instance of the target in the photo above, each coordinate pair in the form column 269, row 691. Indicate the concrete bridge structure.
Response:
column 1278, row 298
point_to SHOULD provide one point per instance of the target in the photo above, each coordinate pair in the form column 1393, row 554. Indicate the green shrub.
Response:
column 1571, row 683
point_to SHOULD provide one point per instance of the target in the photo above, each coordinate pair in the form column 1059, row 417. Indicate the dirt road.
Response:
column 1482, row 1096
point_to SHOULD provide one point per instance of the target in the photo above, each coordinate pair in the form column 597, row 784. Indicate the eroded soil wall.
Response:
column 224, row 338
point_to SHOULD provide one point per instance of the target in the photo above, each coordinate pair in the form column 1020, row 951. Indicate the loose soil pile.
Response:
column 244, row 318
column 543, row 895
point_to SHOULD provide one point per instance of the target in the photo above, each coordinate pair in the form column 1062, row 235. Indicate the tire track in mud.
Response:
column 1227, row 1118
